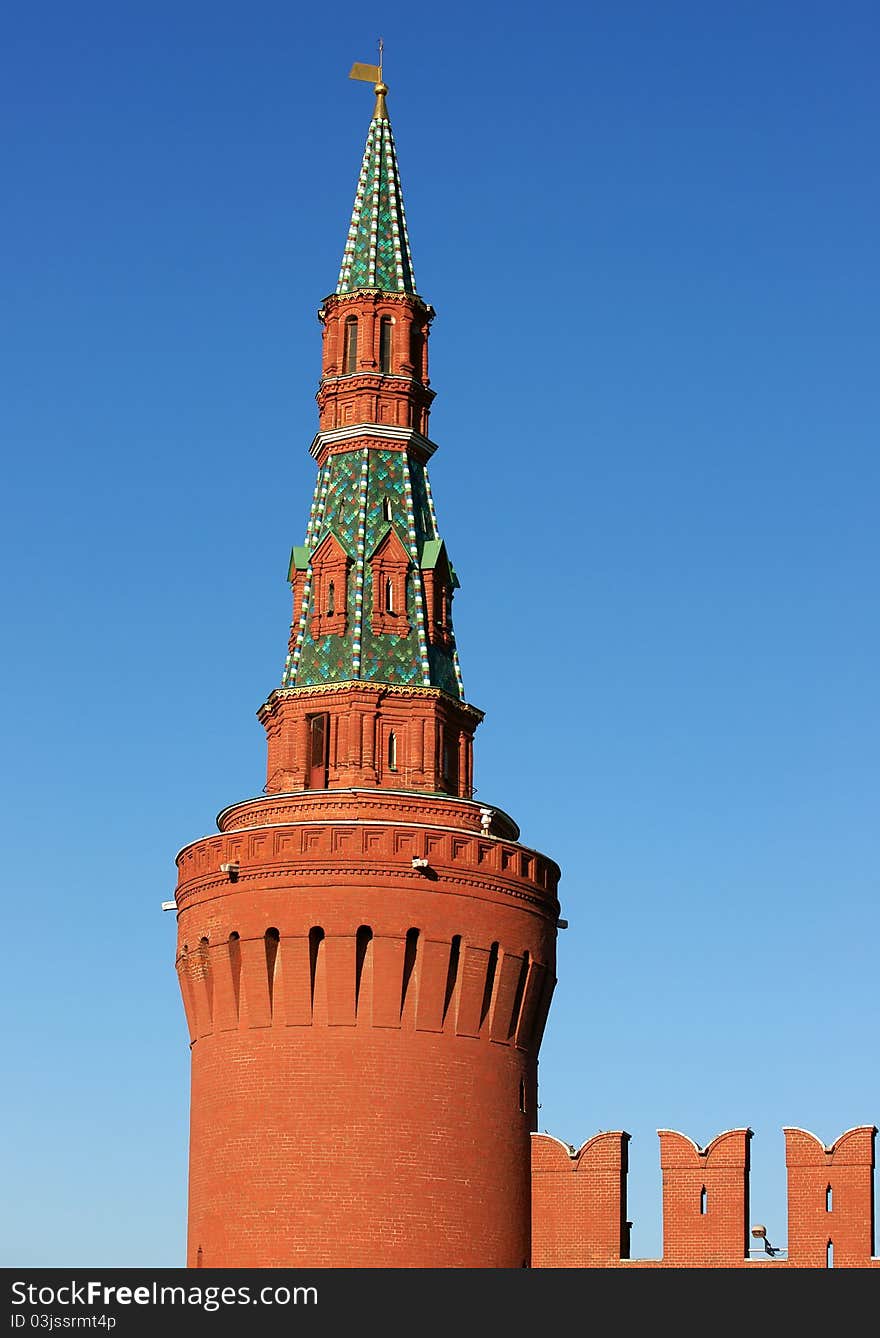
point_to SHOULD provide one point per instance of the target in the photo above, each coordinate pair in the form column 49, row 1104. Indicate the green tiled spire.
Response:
column 359, row 496
column 377, row 251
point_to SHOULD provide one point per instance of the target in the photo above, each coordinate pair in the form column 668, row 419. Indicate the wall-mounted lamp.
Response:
column 760, row 1232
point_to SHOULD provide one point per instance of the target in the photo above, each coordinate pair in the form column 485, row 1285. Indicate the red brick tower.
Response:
column 366, row 953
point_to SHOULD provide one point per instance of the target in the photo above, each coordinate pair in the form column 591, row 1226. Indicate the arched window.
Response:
column 349, row 360
column 389, row 595
column 385, row 327
column 828, row 1199
column 386, row 508
column 331, row 599
column 392, row 751
column 319, row 734
column 703, row 1201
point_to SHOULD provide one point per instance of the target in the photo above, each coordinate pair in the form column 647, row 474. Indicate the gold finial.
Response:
column 372, row 74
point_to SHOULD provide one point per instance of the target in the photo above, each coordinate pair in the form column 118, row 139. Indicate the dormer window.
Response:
column 389, row 568
column 386, row 508
column 330, row 564
column 350, row 351
column 439, row 583
column 386, row 325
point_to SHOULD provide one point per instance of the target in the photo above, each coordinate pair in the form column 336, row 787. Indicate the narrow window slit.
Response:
column 452, row 972
column 272, row 940
column 363, row 939
column 518, row 997
column 409, row 962
column 316, row 938
column 235, row 969
column 491, row 969
column 205, row 970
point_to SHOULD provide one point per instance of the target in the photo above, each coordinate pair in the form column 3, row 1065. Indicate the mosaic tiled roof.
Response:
column 377, row 253
column 354, row 494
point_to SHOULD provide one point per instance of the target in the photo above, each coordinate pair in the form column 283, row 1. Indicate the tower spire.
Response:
column 372, row 581
column 377, row 253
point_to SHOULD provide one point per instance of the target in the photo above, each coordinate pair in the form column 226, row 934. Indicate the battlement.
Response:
column 409, row 980
column 579, row 1202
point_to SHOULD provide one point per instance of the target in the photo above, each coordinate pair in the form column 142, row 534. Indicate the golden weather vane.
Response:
column 371, row 74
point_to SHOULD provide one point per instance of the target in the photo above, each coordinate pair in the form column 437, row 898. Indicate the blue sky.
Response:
column 650, row 234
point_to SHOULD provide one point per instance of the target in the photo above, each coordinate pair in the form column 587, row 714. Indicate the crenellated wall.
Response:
column 579, row 1202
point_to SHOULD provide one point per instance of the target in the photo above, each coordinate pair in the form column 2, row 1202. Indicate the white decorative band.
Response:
column 385, row 431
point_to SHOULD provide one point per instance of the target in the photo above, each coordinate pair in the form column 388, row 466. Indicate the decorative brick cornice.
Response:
column 379, row 297
column 374, row 691
column 365, row 852
column 378, row 436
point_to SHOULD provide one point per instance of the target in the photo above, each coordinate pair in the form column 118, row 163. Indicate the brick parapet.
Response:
column 579, row 1203
column 358, row 851
column 371, row 805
